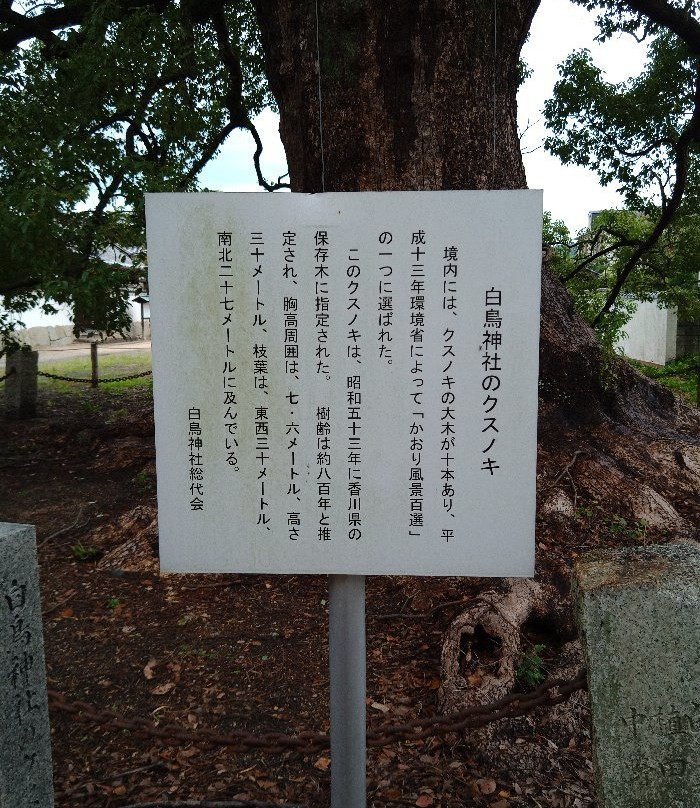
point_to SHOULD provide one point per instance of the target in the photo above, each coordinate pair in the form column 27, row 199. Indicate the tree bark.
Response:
column 397, row 94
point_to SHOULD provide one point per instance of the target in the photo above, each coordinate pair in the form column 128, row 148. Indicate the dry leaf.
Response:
column 381, row 707
column 434, row 684
column 161, row 690
column 486, row 785
column 391, row 794
column 66, row 612
column 119, row 791
column 149, row 671
column 424, row 801
column 322, row 764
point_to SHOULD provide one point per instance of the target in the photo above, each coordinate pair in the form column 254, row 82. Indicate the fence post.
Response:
column 21, row 385
column 93, row 362
column 25, row 739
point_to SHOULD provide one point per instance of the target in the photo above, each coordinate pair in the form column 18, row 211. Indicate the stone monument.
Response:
column 639, row 614
column 25, row 747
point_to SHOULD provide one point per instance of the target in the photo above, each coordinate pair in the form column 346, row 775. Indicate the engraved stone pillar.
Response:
column 25, row 747
column 21, row 386
column 639, row 614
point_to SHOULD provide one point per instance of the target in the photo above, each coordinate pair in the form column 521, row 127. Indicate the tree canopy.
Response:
column 102, row 100
column 644, row 134
column 104, row 103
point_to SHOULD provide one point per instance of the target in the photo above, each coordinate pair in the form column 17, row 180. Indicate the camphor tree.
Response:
column 643, row 133
column 104, row 100
column 373, row 95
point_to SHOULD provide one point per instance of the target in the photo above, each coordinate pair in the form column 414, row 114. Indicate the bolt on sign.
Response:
column 346, row 383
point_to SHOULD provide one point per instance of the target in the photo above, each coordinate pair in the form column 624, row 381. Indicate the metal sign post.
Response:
column 347, row 651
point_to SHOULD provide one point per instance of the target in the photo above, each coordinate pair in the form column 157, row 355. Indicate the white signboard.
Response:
column 346, row 382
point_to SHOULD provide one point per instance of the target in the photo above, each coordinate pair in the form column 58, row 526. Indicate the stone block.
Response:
column 37, row 336
column 639, row 614
column 25, row 746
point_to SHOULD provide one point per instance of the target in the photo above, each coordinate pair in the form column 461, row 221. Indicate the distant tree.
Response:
column 644, row 134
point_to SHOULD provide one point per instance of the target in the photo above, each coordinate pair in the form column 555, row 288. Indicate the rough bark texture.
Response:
column 413, row 95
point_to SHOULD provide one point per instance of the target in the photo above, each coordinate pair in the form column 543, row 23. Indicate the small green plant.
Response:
column 584, row 513
column 144, row 481
column 619, row 527
column 82, row 553
column 112, row 603
column 680, row 376
column 530, row 672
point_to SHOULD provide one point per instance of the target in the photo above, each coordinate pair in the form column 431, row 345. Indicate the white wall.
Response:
column 651, row 334
column 36, row 318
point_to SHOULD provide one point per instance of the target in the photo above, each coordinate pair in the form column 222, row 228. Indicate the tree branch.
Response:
column 26, row 28
column 256, row 159
column 21, row 28
column 591, row 258
column 234, row 96
column 207, row 153
column 689, row 136
column 680, row 22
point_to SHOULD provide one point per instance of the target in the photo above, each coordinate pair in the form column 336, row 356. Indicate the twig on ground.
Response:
column 421, row 615
column 568, row 467
column 119, row 775
column 67, row 529
column 217, row 585
column 60, row 603
column 567, row 473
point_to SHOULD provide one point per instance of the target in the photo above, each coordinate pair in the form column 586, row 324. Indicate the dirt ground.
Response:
column 250, row 652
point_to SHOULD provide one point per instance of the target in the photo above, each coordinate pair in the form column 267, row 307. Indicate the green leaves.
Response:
column 125, row 102
column 591, row 264
column 644, row 135
column 626, row 132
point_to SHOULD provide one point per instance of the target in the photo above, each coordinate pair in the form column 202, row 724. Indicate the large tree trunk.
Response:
column 411, row 95
column 421, row 94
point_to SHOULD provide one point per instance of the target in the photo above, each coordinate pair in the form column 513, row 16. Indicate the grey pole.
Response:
column 347, row 651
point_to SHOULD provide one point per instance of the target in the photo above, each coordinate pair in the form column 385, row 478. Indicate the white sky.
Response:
column 569, row 192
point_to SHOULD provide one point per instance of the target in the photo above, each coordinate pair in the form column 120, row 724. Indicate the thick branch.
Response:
column 256, row 159
column 21, row 28
column 599, row 254
column 97, row 214
column 680, row 22
column 25, row 285
column 234, row 96
column 207, row 153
